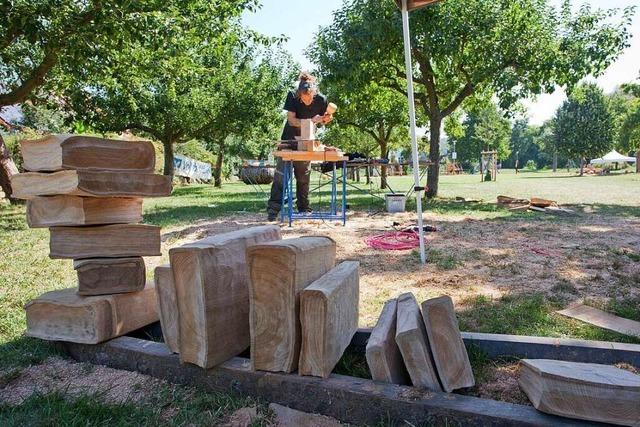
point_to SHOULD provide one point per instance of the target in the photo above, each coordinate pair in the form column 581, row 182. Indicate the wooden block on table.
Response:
column 383, row 355
column 168, row 307
column 411, row 337
column 64, row 151
column 104, row 276
column 585, row 391
column 89, row 183
column 328, row 318
column 279, row 271
column 307, row 130
column 602, row 319
column 212, row 288
column 52, row 211
column 66, row 316
column 449, row 353
column 106, row 241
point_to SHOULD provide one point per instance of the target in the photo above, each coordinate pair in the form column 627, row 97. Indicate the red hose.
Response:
column 394, row 241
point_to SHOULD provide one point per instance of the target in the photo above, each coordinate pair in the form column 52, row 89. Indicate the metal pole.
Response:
column 412, row 124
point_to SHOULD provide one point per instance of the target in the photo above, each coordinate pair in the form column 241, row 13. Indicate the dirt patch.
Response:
column 500, row 382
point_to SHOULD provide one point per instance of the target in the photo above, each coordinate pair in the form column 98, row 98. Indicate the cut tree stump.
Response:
column 168, row 307
column 602, row 319
column 383, row 355
column 89, row 183
column 542, row 203
column 449, row 353
column 328, row 318
column 65, row 316
column 279, row 271
column 103, row 276
column 212, row 289
column 411, row 337
column 52, row 211
column 585, row 391
column 107, row 241
column 63, row 151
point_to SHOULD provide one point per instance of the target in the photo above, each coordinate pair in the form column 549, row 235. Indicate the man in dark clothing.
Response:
column 304, row 103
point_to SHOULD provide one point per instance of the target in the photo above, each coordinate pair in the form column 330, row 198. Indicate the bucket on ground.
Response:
column 395, row 202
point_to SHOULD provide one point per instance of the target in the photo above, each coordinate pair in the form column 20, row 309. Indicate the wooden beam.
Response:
column 212, row 289
column 107, row 241
column 279, row 271
column 328, row 318
column 104, row 276
column 53, row 211
column 311, row 156
column 89, row 183
column 602, row 319
column 415, row 4
column 168, row 307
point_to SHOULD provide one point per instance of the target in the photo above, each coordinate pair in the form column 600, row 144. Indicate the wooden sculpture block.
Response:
column 168, row 307
column 52, row 211
column 65, row 316
column 279, row 271
column 103, row 276
column 212, row 288
column 586, row 391
column 383, row 355
column 89, row 183
column 63, row 151
column 411, row 337
column 328, row 318
column 107, row 241
column 307, row 130
column 449, row 353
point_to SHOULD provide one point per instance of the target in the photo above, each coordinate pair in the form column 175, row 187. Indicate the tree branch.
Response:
column 466, row 91
column 362, row 129
column 155, row 133
column 429, row 81
column 36, row 78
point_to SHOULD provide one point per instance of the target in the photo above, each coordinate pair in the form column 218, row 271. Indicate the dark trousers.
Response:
column 302, row 172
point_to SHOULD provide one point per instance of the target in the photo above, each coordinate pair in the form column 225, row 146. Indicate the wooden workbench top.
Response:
column 310, row 156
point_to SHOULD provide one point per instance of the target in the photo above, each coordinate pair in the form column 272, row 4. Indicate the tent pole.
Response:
column 412, row 124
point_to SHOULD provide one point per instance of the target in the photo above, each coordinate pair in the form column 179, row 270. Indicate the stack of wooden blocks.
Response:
column 88, row 191
column 286, row 299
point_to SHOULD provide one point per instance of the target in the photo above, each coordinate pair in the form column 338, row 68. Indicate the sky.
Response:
column 300, row 20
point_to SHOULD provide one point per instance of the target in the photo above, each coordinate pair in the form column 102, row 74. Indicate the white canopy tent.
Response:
column 613, row 157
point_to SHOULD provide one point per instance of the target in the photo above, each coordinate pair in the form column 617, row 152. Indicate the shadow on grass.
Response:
column 22, row 352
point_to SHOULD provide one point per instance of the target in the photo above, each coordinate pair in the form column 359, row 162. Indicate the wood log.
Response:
column 63, row 151
column 411, row 337
column 104, row 276
column 65, row 316
column 328, row 318
column 107, row 241
column 88, row 183
column 52, row 211
column 212, row 288
column 168, row 307
column 449, row 353
column 279, row 271
column 542, row 203
column 383, row 355
column 585, row 391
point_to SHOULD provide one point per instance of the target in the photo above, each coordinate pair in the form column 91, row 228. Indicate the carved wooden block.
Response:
column 279, row 271
column 212, row 289
column 329, row 319
column 52, row 211
column 412, row 340
column 168, row 307
column 103, row 276
column 66, row 316
column 449, row 353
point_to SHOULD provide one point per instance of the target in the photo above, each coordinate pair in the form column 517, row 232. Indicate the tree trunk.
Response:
column 368, row 174
column 555, row 160
column 168, row 156
column 217, row 173
column 384, row 153
column 7, row 169
column 433, row 175
column 638, row 161
column 581, row 166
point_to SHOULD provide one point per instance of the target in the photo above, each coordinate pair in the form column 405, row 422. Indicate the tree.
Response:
column 584, row 125
column 627, row 117
column 463, row 48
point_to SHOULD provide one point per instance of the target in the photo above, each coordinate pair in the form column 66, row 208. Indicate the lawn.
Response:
column 507, row 272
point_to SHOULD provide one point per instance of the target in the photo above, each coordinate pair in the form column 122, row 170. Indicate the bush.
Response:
column 531, row 165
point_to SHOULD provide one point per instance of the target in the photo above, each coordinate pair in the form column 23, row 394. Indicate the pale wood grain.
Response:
column 328, row 318
column 383, row 355
column 103, row 276
column 212, row 289
column 106, row 241
column 65, row 316
column 168, row 307
column 90, row 183
column 279, row 271
column 602, row 319
column 311, row 156
column 411, row 337
column 584, row 391
column 65, row 151
column 52, row 211
column 448, row 350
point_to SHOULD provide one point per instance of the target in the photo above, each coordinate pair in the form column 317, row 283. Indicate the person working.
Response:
column 303, row 103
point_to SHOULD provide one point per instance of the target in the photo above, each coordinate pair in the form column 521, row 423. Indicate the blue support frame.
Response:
column 287, row 197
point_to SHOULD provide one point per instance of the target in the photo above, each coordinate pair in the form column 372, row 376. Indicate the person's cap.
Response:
column 306, row 86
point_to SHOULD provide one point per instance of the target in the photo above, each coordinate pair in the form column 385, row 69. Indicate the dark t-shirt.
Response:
column 317, row 107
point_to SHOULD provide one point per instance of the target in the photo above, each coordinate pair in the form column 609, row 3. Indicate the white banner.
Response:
column 191, row 168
